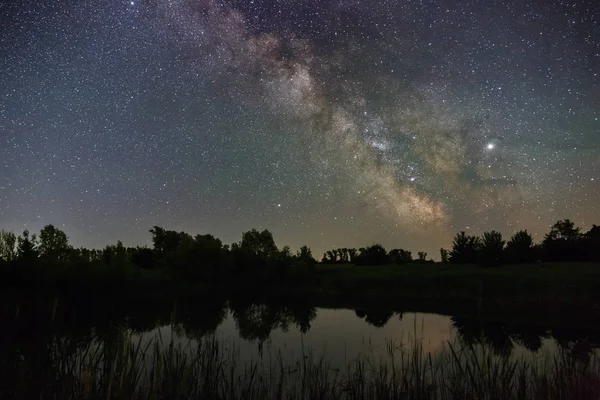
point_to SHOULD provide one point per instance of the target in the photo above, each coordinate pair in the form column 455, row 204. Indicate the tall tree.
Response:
column 352, row 254
column 305, row 254
column 464, row 248
column 563, row 242
column 373, row 255
column 519, row 248
column 53, row 244
column 261, row 244
column 492, row 248
column 167, row 241
column 564, row 230
column 27, row 246
column 400, row 256
column 444, row 255
column 592, row 244
column 8, row 246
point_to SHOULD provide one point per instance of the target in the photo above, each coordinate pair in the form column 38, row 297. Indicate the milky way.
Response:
column 331, row 123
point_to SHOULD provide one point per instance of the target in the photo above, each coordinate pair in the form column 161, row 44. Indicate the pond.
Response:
column 343, row 335
column 264, row 349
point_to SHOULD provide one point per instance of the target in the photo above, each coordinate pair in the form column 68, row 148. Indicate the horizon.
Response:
column 317, row 253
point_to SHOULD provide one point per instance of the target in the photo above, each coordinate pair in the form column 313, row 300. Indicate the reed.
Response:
column 129, row 366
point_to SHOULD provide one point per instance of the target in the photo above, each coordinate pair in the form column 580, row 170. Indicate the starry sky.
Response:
column 332, row 123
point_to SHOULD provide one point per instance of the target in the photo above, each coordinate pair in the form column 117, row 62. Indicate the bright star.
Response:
column 490, row 146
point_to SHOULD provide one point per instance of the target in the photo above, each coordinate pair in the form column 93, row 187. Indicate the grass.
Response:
column 555, row 282
column 127, row 368
column 544, row 273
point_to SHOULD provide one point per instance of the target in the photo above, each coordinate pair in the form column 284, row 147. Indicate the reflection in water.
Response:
column 43, row 342
column 377, row 318
column 257, row 321
column 342, row 332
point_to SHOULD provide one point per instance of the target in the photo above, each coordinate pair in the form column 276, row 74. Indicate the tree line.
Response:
column 256, row 256
column 564, row 242
column 176, row 255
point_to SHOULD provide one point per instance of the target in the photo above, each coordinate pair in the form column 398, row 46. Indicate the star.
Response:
column 203, row 114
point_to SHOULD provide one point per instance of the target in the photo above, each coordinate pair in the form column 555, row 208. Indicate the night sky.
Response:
column 330, row 123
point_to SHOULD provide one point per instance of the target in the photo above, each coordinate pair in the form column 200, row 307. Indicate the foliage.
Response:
column 520, row 248
column 400, row 256
column 340, row 256
column 444, row 254
column 372, row 255
column 53, row 244
column 305, row 255
column 261, row 244
column 465, row 249
column 491, row 251
column 8, row 246
column 592, row 244
column 167, row 241
column 563, row 242
column 256, row 263
column 27, row 247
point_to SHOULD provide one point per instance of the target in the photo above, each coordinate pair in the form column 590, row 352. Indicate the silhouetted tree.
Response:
column 464, row 248
column 339, row 256
column 592, row 244
column 400, row 256
column 519, row 249
column 343, row 255
column 305, row 255
column 329, row 257
column 261, row 244
column 167, row 241
column 143, row 257
column 352, row 253
column 27, row 247
column 492, row 248
column 422, row 256
column 372, row 255
column 8, row 246
column 564, row 229
column 444, row 255
column 53, row 244
column 200, row 257
column 563, row 242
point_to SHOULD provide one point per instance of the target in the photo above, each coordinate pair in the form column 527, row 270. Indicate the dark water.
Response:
column 343, row 335
column 290, row 330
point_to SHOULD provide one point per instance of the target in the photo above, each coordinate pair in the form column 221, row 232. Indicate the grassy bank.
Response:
column 125, row 367
column 556, row 291
column 577, row 280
